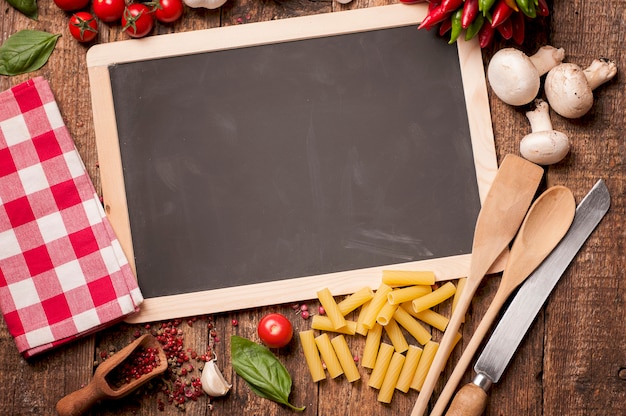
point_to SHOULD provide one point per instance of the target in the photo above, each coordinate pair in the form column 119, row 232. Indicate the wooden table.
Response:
column 573, row 360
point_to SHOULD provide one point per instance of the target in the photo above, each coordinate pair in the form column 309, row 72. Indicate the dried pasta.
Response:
column 434, row 319
column 382, row 363
column 372, row 344
column 332, row 310
column 386, row 313
column 328, row 355
column 312, row 356
column 421, row 334
column 413, row 355
column 436, row 297
column 460, row 284
column 345, row 358
column 376, row 304
column 408, row 277
column 396, row 336
column 387, row 388
column 355, row 300
column 407, row 294
column 323, row 323
column 428, row 355
column 360, row 329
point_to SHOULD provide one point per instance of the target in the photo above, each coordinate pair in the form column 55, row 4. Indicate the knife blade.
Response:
column 521, row 312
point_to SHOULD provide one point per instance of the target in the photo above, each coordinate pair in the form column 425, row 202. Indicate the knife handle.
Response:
column 471, row 400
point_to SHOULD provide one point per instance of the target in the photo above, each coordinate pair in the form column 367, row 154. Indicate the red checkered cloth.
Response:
column 62, row 270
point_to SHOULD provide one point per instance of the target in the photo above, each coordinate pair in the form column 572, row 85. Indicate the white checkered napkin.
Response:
column 62, row 270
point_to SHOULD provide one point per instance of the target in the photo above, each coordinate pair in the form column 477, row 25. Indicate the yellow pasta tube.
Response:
column 360, row 329
column 345, row 358
column 372, row 344
column 413, row 355
column 386, row 313
column 428, row 355
column 406, row 294
column 434, row 319
column 413, row 327
column 460, row 284
column 328, row 355
column 408, row 277
column 323, row 323
column 434, row 298
column 312, row 356
column 396, row 336
column 355, row 300
column 385, row 394
column 376, row 304
column 382, row 363
column 331, row 308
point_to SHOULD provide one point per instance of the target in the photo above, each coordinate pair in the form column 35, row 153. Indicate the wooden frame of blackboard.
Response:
column 101, row 57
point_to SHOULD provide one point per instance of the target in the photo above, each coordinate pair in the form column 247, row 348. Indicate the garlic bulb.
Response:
column 213, row 382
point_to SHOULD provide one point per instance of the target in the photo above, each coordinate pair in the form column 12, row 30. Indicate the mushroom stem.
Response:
column 539, row 117
column 546, row 58
column 600, row 71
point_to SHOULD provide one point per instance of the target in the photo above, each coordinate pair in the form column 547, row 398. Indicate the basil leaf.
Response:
column 28, row 7
column 261, row 370
column 26, row 51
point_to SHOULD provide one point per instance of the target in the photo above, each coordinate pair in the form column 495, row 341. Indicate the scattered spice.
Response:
column 140, row 362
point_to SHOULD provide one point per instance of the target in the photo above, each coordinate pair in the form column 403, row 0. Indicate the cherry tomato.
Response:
column 168, row 11
column 109, row 10
column 71, row 5
column 137, row 20
column 83, row 26
column 275, row 330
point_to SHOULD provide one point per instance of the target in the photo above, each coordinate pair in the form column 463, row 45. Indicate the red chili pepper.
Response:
column 470, row 11
column 445, row 26
column 435, row 16
column 519, row 27
column 542, row 8
column 485, row 34
column 451, row 5
column 505, row 29
column 432, row 4
column 501, row 12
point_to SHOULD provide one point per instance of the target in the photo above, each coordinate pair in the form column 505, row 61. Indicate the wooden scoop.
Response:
column 80, row 401
column 501, row 215
column 546, row 223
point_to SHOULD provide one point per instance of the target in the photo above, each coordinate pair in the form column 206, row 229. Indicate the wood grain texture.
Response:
column 570, row 361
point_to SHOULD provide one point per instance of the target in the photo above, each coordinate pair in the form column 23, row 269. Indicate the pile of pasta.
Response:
column 403, row 299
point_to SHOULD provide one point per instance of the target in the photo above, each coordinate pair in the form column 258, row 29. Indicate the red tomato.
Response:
column 275, row 330
column 71, row 5
column 83, row 26
column 168, row 11
column 137, row 20
column 109, row 10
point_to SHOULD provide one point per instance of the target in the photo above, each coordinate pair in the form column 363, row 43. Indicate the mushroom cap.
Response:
column 568, row 91
column 513, row 77
column 545, row 147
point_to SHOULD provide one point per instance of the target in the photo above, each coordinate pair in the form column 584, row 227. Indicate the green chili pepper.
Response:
column 474, row 27
column 485, row 5
column 456, row 25
column 527, row 7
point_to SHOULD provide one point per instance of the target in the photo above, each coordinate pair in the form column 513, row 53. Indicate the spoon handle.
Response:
column 78, row 402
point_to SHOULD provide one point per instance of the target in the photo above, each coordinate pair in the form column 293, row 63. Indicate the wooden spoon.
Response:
column 80, row 401
column 501, row 215
column 546, row 223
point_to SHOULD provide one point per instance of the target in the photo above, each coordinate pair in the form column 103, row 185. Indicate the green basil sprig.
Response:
column 26, row 51
column 265, row 375
column 28, row 7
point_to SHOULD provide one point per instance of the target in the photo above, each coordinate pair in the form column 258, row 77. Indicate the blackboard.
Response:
column 288, row 165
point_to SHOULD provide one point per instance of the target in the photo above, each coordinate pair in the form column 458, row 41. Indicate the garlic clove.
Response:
column 213, row 382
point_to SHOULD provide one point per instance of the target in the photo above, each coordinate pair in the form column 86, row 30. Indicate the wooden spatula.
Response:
column 80, row 401
column 501, row 215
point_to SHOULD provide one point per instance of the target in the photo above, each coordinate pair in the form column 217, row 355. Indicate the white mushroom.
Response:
column 569, row 89
column 207, row 4
column 544, row 146
column 514, row 76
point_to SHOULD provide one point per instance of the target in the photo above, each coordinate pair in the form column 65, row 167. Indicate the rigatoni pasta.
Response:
column 312, row 356
column 407, row 294
column 355, row 300
column 434, row 319
column 413, row 355
column 386, row 313
column 408, row 277
column 428, row 355
column 331, row 308
column 396, row 336
column 382, row 363
column 385, row 394
column 328, row 355
column 460, row 285
column 323, row 323
column 376, row 304
column 421, row 334
column 360, row 329
column 436, row 297
column 372, row 344
column 345, row 358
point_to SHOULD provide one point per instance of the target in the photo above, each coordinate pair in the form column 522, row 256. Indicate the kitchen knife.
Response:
column 521, row 312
